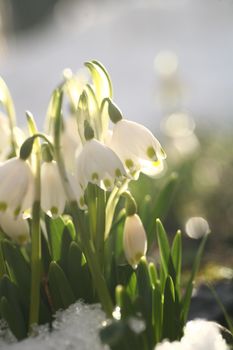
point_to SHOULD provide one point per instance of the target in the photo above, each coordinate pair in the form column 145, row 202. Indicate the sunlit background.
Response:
column 171, row 67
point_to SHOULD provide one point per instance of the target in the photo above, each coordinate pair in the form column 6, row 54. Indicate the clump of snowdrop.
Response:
column 198, row 335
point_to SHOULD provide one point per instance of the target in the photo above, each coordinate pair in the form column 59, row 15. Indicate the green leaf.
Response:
column 65, row 245
column 60, row 290
column 78, row 274
column 14, row 318
column 169, row 311
column 145, row 294
column 153, row 274
column 164, row 248
column 56, row 227
column 19, row 270
column 11, row 308
column 157, row 309
column 188, row 293
column 176, row 252
column 123, row 301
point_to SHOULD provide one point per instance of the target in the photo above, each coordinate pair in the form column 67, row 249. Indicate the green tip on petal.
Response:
column 95, row 177
column 107, row 184
column 151, row 153
column 129, row 163
column 17, row 211
column 46, row 153
column 3, row 206
column 54, row 211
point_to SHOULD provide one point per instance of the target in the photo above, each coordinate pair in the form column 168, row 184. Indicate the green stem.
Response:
column 92, row 210
column 35, row 234
column 111, row 205
column 100, row 226
column 35, row 265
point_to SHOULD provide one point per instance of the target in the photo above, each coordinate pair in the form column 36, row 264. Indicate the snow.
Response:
column 198, row 335
column 74, row 329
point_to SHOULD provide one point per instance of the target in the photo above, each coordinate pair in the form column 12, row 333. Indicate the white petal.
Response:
column 53, row 197
column 136, row 146
column 15, row 176
column 15, row 227
column 97, row 163
column 134, row 240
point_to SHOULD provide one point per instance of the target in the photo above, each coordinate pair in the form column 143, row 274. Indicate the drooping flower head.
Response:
column 16, row 181
column 53, row 197
column 98, row 164
column 134, row 240
column 136, row 146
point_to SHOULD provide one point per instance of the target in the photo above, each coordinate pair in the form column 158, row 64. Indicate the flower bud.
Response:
column 134, row 240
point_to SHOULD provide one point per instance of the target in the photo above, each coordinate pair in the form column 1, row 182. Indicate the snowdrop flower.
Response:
column 134, row 240
column 15, row 181
column 53, row 197
column 198, row 335
column 138, row 149
column 15, row 227
column 99, row 165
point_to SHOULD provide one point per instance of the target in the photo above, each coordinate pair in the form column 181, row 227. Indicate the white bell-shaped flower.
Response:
column 15, row 227
column 98, row 164
column 15, row 181
column 53, row 197
column 134, row 240
column 137, row 147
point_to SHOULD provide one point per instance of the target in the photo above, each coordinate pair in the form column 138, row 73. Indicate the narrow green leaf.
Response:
column 188, row 293
column 61, row 292
column 169, row 311
column 65, row 245
column 55, row 236
column 12, row 310
column 123, row 302
column 164, row 248
column 19, row 270
column 176, row 252
column 153, row 273
column 157, row 316
column 78, row 274
column 14, row 319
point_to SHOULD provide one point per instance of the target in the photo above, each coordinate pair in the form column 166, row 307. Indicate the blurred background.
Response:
column 171, row 66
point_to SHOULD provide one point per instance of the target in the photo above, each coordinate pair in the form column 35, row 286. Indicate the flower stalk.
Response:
column 35, row 233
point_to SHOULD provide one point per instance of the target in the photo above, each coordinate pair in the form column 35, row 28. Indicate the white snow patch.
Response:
column 76, row 328
column 198, row 335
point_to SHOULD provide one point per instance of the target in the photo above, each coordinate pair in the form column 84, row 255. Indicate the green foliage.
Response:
column 156, row 299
